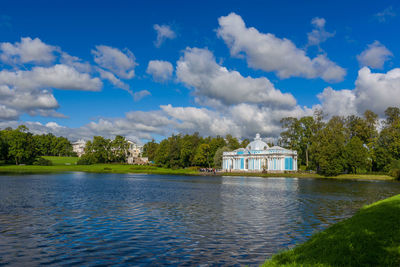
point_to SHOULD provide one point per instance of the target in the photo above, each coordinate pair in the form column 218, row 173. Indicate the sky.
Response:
column 149, row 69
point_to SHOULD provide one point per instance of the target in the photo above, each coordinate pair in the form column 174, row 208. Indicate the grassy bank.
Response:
column 96, row 168
column 369, row 238
column 68, row 164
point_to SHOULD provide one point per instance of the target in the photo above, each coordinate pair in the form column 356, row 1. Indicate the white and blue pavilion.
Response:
column 258, row 156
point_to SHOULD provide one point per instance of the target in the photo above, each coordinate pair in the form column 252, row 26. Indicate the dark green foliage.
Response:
column 42, row 162
column 149, row 150
column 344, row 144
column 103, row 150
column 395, row 169
column 86, row 159
column 50, row 145
column 182, row 151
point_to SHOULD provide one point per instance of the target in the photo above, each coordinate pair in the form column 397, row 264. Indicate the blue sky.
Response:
column 222, row 66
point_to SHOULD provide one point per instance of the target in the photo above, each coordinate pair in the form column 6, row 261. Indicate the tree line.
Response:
column 181, row 151
column 19, row 146
column 348, row 144
column 104, row 150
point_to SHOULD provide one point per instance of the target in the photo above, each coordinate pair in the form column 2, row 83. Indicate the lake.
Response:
column 133, row 219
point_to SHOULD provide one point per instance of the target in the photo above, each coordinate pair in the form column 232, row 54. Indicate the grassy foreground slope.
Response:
column 369, row 238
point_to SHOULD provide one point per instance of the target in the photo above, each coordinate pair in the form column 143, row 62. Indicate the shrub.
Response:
column 42, row 162
column 395, row 169
column 86, row 159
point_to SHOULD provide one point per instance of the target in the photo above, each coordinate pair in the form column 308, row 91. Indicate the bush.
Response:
column 86, row 159
column 42, row 162
column 395, row 169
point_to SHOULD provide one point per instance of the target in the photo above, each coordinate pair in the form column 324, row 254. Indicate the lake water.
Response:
column 131, row 219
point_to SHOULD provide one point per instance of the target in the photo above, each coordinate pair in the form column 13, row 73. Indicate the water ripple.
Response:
column 120, row 219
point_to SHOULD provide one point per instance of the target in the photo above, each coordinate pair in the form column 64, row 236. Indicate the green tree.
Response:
column 99, row 149
column 203, row 156
column 328, row 148
column 21, row 146
column 119, row 149
column 233, row 143
column 218, row 156
column 356, row 154
column 150, row 149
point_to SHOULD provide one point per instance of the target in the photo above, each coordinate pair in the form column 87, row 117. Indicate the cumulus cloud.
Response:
column 197, row 69
column 374, row 56
column 7, row 113
column 120, row 63
column 161, row 71
column 373, row 91
column 270, row 53
column 141, row 94
column 340, row 102
column 114, row 80
column 29, row 91
column 27, row 51
column 318, row 34
column 58, row 76
column 164, row 32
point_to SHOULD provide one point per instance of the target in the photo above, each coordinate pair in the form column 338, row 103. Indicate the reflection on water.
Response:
column 121, row 219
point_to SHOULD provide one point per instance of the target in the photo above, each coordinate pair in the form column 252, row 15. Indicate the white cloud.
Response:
column 340, row 102
column 160, row 70
column 318, row 34
column 164, row 32
column 373, row 91
column 374, row 55
column 114, row 80
column 58, row 76
column 29, row 91
column 7, row 113
column 198, row 69
column 119, row 63
column 75, row 62
column 270, row 53
column 27, row 51
column 141, row 94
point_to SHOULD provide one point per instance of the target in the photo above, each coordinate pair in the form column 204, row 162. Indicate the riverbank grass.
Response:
column 62, row 160
column 370, row 238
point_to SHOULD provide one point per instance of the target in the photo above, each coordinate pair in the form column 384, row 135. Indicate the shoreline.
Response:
column 368, row 238
column 124, row 168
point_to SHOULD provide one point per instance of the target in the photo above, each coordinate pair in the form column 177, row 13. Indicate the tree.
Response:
column 21, row 146
column 119, row 149
column 203, row 156
column 356, row 154
column 150, row 149
column 233, row 143
column 328, row 148
column 99, row 149
column 218, row 156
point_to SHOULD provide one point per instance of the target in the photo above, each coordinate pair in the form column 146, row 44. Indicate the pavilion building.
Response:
column 258, row 157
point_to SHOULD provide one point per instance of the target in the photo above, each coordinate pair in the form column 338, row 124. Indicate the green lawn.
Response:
column 62, row 160
column 98, row 168
column 369, row 238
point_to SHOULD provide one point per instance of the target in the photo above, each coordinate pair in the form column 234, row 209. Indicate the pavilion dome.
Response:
column 257, row 144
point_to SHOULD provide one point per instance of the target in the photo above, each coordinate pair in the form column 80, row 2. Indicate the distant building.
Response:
column 258, row 156
column 135, row 154
column 79, row 147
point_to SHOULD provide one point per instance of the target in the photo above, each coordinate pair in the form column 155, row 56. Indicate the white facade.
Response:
column 134, row 154
column 79, row 147
column 258, row 156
